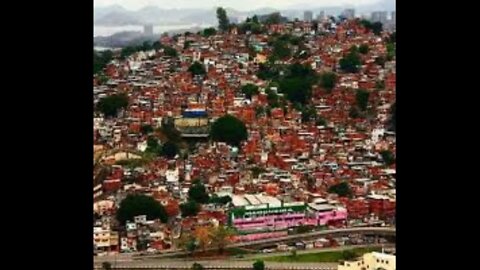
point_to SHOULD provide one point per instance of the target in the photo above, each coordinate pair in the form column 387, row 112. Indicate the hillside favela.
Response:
column 263, row 138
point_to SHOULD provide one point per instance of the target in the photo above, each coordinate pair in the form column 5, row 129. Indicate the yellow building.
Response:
column 371, row 261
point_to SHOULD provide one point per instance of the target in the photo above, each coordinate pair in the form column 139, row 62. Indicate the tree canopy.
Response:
column 198, row 193
column 351, row 62
column 259, row 265
column 197, row 69
column 146, row 129
column 223, row 22
column 376, row 27
column 363, row 49
column 229, row 129
column 342, row 189
column 110, row 105
column 101, row 59
column 393, row 116
column 328, row 80
column 215, row 199
column 388, row 157
column 190, row 208
column 197, row 266
column 249, row 90
column 297, row 84
column 207, row 32
column 135, row 205
column 169, row 150
column 221, row 236
column 362, row 99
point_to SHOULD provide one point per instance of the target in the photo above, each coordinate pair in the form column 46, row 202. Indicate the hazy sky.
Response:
column 236, row 4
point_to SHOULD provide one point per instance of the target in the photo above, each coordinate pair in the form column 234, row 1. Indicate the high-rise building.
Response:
column 308, row 16
column 379, row 16
column 321, row 16
column 394, row 19
column 148, row 30
column 349, row 13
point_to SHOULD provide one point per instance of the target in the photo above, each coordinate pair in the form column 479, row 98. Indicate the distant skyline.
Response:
column 242, row 5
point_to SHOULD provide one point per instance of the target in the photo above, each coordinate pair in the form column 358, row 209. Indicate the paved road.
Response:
column 308, row 251
column 132, row 256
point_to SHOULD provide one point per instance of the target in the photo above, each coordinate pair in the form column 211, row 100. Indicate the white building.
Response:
column 373, row 261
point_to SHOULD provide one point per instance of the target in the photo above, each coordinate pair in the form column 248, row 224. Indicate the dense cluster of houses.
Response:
column 280, row 176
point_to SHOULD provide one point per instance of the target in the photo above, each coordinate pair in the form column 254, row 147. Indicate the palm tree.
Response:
column 221, row 236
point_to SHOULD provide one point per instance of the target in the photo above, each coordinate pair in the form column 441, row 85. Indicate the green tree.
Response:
column 134, row 205
column 363, row 49
column 169, row 51
column 266, row 72
column 351, row 62
column 103, row 79
column 390, row 51
column 146, row 129
column 198, row 192
column 320, row 121
column 207, row 32
column 309, row 113
column 191, row 246
column 187, row 242
column 100, row 60
column 223, row 22
column 229, row 129
column 157, row 45
column 189, row 209
column 280, row 50
column 377, row 28
column 106, row 266
column 354, row 112
column 127, row 51
column 393, row 116
column 259, row 265
column 110, row 105
column 296, row 89
column 388, row 157
column 380, row 85
column 153, row 146
column 219, row 200
column 187, row 44
column 393, row 37
column 249, row 90
column 197, row 266
column 221, row 236
column 380, row 60
column 297, row 84
column 255, row 19
column 342, row 189
column 328, row 80
column 147, row 46
column 362, row 99
column 169, row 150
column 197, row 69
column 274, row 18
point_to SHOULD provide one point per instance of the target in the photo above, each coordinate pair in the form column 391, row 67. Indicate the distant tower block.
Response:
column 148, row 30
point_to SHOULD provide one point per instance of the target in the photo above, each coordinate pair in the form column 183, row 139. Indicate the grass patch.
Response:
column 329, row 256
